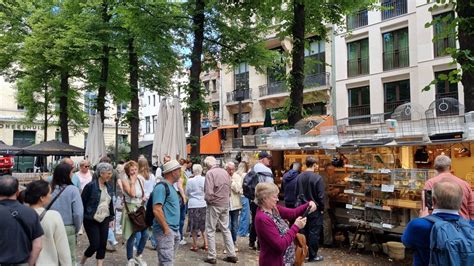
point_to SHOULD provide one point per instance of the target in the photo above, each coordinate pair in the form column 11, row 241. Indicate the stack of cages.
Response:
column 408, row 187
column 284, row 139
column 363, row 130
column 261, row 137
column 445, row 120
column 408, row 124
column 470, row 125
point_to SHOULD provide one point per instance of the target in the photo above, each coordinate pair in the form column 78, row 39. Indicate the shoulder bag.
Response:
column 51, row 203
column 137, row 217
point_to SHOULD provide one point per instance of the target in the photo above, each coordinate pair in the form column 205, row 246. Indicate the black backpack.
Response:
column 251, row 180
column 149, row 216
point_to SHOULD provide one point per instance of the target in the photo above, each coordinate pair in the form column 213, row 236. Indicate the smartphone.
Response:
column 428, row 199
column 306, row 212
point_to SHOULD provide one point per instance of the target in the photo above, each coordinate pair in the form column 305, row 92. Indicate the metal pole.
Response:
column 239, row 131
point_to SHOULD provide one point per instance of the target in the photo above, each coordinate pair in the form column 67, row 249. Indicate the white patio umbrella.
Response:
column 95, row 148
column 169, row 137
column 158, row 150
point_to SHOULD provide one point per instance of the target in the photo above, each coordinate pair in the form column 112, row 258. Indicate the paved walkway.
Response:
column 247, row 257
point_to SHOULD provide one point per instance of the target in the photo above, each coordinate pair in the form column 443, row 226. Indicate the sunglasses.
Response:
column 86, row 166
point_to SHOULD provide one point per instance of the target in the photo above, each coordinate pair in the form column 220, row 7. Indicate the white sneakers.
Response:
column 140, row 261
column 131, row 262
column 183, row 242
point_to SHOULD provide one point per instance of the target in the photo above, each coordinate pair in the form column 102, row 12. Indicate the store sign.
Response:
column 20, row 126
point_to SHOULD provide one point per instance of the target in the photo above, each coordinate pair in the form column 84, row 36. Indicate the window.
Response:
column 395, row 94
column 395, row 49
column 393, row 8
column 357, row 20
column 147, row 124
column 206, row 86
column 245, row 118
column 154, row 123
column 444, row 88
column 122, row 139
column 315, row 57
column 358, row 58
column 58, row 136
column 89, row 103
column 241, row 77
column 185, row 121
column 149, row 100
column 20, row 107
column 215, row 110
column 318, row 108
column 214, row 85
column 122, row 109
column 154, row 100
column 444, row 33
column 359, row 104
column 245, row 131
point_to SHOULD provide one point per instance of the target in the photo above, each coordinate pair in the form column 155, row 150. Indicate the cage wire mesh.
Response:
column 445, row 116
column 363, row 130
column 408, row 123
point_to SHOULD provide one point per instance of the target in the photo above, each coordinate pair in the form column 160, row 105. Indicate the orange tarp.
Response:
column 328, row 121
column 210, row 143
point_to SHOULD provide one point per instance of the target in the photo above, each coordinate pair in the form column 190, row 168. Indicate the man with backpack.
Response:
column 166, row 211
column 444, row 237
column 261, row 172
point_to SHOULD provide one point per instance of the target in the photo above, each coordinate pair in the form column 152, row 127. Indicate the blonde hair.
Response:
column 129, row 165
column 144, row 168
column 263, row 191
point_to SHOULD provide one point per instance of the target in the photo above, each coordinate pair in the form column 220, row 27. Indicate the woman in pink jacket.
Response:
column 274, row 234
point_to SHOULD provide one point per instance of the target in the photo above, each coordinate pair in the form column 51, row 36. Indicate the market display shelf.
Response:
column 373, row 206
column 354, row 207
column 351, row 192
column 349, row 179
column 408, row 204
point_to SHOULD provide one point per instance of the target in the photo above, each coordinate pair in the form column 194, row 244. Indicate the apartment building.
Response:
column 260, row 92
column 389, row 56
column 213, row 97
column 14, row 130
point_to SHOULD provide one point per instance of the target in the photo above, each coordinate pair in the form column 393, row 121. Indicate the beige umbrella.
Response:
column 95, row 147
column 180, row 134
column 158, row 150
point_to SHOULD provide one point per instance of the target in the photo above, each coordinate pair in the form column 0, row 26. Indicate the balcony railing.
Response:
column 272, row 88
column 316, row 80
column 396, row 59
column 441, row 45
column 234, row 95
column 452, row 94
column 358, row 66
column 357, row 20
column 390, row 107
column 359, row 114
column 393, row 8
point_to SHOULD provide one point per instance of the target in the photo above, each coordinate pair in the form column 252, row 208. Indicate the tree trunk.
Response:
column 465, row 11
column 104, row 72
column 46, row 101
column 134, row 119
column 194, row 82
column 297, row 71
column 63, row 108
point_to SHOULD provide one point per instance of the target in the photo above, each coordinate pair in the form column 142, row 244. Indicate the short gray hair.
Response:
column 263, row 191
column 442, row 163
column 103, row 167
column 210, row 161
column 448, row 194
column 229, row 164
column 197, row 169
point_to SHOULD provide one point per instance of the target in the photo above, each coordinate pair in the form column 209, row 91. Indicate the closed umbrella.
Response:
column 268, row 119
column 180, row 134
column 158, row 150
column 95, row 148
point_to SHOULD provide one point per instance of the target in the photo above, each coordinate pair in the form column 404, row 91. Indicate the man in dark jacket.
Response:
column 311, row 188
column 289, row 184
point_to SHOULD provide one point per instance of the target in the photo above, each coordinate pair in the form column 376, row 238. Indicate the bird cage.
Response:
column 470, row 125
column 261, row 136
column 445, row 120
column 366, row 130
column 408, row 124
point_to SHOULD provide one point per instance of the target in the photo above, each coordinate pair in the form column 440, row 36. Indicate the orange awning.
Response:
column 328, row 121
column 210, row 144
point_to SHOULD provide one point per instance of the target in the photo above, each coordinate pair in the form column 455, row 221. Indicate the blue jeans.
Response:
column 182, row 216
column 138, row 238
column 234, row 223
column 244, row 217
column 141, row 245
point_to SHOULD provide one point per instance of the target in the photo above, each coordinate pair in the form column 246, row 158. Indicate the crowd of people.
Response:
column 235, row 200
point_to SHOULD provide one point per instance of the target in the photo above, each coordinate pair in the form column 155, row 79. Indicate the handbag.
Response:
column 301, row 249
column 137, row 217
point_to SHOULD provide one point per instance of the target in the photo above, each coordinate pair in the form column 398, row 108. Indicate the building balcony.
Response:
column 359, row 114
column 358, row 66
column 272, row 88
column 396, row 59
column 239, row 95
column 393, row 8
column 317, row 80
column 357, row 20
